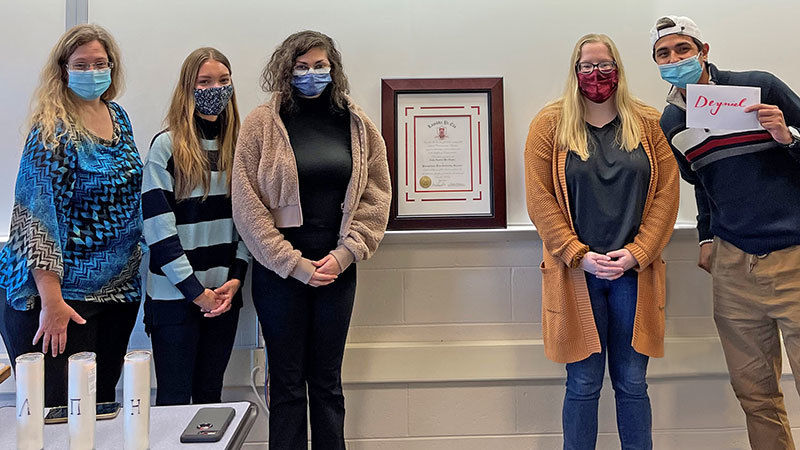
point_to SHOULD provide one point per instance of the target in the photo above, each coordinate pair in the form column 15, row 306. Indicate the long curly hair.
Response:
column 192, row 167
column 277, row 75
column 54, row 109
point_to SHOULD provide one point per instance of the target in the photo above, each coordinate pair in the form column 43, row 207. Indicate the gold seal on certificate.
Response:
column 445, row 143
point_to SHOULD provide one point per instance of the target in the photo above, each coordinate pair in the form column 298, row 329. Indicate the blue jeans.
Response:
column 614, row 308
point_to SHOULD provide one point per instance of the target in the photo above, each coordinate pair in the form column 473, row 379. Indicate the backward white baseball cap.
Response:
column 683, row 25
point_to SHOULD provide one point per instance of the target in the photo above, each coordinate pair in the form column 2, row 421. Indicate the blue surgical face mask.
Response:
column 681, row 73
column 313, row 82
column 89, row 84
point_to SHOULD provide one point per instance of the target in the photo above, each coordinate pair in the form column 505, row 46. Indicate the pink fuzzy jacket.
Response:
column 266, row 193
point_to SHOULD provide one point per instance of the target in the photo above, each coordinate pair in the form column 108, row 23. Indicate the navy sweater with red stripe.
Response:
column 747, row 185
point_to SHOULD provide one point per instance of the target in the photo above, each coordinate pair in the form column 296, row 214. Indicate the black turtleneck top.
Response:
column 320, row 138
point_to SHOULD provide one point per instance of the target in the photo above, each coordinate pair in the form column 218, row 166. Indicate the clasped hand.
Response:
column 218, row 301
column 609, row 266
column 327, row 271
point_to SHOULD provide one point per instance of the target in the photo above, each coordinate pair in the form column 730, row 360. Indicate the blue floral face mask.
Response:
column 89, row 84
column 211, row 101
column 681, row 73
column 311, row 82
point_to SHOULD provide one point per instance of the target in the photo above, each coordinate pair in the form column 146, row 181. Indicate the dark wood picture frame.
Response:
column 493, row 87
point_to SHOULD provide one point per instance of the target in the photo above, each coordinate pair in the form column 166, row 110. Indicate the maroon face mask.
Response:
column 598, row 87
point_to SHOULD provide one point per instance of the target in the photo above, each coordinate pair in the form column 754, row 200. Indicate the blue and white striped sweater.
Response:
column 193, row 242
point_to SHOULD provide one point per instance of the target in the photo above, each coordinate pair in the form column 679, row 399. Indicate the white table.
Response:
column 166, row 425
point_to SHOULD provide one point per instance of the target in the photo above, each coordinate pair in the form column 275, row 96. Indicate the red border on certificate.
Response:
column 471, row 151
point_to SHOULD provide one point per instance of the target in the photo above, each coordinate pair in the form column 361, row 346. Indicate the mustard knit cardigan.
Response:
column 568, row 326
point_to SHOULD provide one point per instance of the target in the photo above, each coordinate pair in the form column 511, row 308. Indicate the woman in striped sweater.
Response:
column 197, row 261
column 602, row 190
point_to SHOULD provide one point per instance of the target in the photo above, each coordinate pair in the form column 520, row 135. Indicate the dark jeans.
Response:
column 614, row 308
column 106, row 332
column 190, row 354
column 305, row 330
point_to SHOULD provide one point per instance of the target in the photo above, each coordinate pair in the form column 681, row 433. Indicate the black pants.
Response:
column 190, row 356
column 106, row 332
column 305, row 330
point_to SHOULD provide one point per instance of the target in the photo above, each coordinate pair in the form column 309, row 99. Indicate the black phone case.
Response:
column 208, row 425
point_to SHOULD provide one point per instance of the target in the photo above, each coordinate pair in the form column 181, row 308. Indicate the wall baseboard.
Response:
column 431, row 362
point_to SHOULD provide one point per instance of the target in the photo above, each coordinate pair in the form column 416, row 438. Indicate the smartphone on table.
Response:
column 208, row 425
column 106, row 410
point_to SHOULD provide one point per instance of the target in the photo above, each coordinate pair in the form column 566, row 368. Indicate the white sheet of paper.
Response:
column 721, row 107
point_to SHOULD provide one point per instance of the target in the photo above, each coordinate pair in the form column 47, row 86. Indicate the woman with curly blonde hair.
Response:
column 70, row 268
column 310, row 197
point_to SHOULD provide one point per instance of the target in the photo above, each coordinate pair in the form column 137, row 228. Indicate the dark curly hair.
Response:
column 277, row 75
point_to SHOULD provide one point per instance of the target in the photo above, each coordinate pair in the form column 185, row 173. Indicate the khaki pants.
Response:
column 754, row 297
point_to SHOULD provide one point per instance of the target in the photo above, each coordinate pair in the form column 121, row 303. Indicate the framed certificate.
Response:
column 446, row 152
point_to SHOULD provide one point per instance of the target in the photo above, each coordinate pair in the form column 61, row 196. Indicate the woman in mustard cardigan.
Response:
column 602, row 190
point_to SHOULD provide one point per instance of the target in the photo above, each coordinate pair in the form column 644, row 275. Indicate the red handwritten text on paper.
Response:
column 714, row 105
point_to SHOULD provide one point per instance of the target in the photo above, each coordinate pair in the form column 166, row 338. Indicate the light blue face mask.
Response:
column 89, row 84
column 681, row 73
column 311, row 84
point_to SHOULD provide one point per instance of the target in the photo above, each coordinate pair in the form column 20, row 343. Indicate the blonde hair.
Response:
column 571, row 128
column 54, row 110
column 191, row 161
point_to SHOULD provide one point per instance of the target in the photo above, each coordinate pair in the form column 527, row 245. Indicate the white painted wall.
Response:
column 28, row 30
column 528, row 43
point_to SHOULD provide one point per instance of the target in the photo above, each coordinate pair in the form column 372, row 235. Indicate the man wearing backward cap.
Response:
column 747, row 187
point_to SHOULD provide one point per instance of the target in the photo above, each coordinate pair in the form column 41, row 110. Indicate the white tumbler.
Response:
column 30, row 401
column 81, row 400
column 136, row 400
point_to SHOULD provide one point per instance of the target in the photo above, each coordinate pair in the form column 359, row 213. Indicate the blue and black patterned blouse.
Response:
column 77, row 212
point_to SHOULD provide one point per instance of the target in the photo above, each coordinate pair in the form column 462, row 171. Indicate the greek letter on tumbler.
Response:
column 81, row 400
